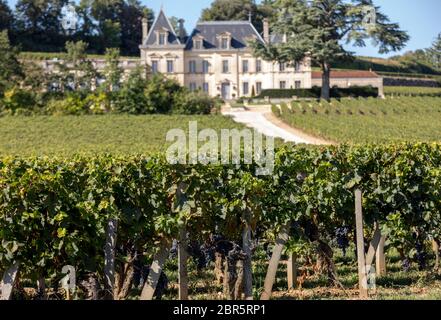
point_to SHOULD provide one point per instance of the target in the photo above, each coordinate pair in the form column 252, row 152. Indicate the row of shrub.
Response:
column 136, row 96
column 315, row 92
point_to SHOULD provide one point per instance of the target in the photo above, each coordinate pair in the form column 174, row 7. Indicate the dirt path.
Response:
column 263, row 120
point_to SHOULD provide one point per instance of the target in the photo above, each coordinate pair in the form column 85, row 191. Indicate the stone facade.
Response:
column 215, row 58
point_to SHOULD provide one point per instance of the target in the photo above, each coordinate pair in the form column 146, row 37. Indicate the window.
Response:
column 297, row 66
column 193, row 86
column 282, row 84
column 162, row 39
column 282, row 66
column 205, row 66
column 205, row 87
column 170, row 66
column 192, row 66
column 258, row 87
column 198, row 44
column 298, row 84
column 245, row 66
column 245, row 88
column 155, row 65
column 258, row 65
column 225, row 66
column 224, row 43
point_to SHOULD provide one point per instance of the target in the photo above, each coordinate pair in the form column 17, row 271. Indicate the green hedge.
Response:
column 315, row 93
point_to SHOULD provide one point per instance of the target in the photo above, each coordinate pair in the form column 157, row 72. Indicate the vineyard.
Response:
column 116, row 218
column 398, row 119
column 116, row 134
column 412, row 91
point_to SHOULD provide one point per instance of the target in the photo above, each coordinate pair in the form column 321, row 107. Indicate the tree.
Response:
column 226, row 10
column 175, row 24
column 113, row 72
column 39, row 24
column 318, row 29
column 6, row 17
column 434, row 52
column 117, row 23
column 76, row 71
column 131, row 26
column 10, row 68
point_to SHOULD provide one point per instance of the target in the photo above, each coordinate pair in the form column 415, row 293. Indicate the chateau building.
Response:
column 216, row 58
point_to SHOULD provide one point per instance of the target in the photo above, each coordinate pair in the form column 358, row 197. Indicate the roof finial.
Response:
column 250, row 16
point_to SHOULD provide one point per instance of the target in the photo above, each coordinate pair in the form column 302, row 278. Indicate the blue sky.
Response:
column 420, row 18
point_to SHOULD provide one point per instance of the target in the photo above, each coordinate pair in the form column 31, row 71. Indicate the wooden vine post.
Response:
column 362, row 276
column 151, row 282
column 182, row 268
column 109, row 258
column 381, row 258
column 8, row 282
column 247, row 264
column 292, row 271
column 270, row 278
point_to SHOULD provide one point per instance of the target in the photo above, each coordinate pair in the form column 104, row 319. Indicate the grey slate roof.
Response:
column 239, row 30
column 161, row 23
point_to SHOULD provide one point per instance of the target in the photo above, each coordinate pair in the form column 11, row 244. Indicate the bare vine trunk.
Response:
column 326, row 81
column 325, row 262
column 436, row 250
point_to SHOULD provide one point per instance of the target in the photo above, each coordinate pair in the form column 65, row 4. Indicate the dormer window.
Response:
column 162, row 36
column 224, row 41
column 198, row 44
column 162, row 39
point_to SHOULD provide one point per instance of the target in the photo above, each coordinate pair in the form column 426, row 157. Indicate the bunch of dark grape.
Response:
column 199, row 257
column 173, row 254
column 342, row 239
column 420, row 255
column 406, row 265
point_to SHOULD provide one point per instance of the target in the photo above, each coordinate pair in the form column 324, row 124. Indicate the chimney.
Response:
column 181, row 29
column 266, row 35
column 145, row 29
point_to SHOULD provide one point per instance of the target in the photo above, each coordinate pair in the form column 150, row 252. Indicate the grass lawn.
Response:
column 369, row 120
column 116, row 134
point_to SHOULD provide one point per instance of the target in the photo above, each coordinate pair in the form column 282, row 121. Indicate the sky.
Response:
column 420, row 18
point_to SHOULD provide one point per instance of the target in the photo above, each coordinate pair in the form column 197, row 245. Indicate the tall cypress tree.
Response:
column 434, row 52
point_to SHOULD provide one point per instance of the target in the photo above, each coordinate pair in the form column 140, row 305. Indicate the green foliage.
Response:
column 6, row 16
column 112, row 72
column 193, row 103
column 276, row 110
column 10, row 68
column 160, row 93
column 17, row 101
column 434, row 53
column 104, row 24
column 54, row 211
